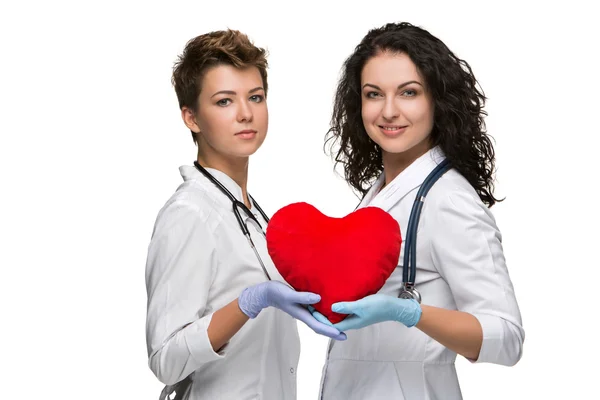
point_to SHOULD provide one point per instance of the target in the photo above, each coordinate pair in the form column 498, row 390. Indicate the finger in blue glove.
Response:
column 319, row 317
column 377, row 308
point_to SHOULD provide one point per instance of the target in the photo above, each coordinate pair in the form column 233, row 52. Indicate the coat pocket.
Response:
column 361, row 380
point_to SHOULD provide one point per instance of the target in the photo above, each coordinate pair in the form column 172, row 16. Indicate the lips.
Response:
column 392, row 131
column 392, row 128
column 246, row 132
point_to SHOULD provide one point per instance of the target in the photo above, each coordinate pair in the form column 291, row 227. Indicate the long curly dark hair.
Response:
column 458, row 129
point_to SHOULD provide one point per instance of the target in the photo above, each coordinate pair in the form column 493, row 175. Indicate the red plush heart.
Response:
column 341, row 259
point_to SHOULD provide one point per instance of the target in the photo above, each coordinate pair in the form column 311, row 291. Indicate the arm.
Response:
column 229, row 319
column 458, row 331
column 225, row 323
column 179, row 270
column 467, row 251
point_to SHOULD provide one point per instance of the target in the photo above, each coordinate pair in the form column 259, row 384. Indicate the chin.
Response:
column 400, row 146
column 395, row 146
column 247, row 150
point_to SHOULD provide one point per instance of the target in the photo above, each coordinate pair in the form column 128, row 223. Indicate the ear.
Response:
column 189, row 119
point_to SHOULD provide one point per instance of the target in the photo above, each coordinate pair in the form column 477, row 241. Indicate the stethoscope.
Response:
column 409, row 271
column 236, row 204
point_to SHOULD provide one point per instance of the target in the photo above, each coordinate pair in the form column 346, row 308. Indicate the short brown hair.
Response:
column 203, row 52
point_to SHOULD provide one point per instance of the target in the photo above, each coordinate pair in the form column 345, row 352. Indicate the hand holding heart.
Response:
column 341, row 259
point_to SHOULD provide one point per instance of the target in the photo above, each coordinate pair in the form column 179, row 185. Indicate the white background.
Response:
column 91, row 142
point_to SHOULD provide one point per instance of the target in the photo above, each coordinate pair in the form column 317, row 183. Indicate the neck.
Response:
column 395, row 163
column 235, row 168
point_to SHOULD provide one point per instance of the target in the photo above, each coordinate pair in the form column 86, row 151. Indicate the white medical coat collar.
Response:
column 409, row 179
column 191, row 173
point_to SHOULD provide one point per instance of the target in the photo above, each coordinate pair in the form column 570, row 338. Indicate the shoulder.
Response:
column 191, row 203
column 453, row 196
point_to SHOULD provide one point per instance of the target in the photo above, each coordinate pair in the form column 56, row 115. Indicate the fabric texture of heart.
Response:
column 341, row 259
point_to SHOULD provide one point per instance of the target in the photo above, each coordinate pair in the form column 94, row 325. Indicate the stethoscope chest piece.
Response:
column 410, row 293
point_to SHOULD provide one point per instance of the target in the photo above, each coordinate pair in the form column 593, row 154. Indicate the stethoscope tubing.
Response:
column 236, row 204
column 410, row 247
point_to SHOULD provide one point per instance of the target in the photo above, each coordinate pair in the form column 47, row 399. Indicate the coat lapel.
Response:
column 408, row 180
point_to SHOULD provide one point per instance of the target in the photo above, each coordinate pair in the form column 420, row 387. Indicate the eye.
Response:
column 372, row 95
column 224, row 102
column 409, row 93
column 257, row 98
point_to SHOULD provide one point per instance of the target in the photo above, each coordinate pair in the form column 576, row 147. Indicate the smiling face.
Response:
column 397, row 109
column 232, row 116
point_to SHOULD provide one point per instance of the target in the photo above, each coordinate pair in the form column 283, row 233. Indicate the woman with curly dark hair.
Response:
column 404, row 105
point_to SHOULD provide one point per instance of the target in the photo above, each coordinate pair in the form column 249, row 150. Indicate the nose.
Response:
column 244, row 112
column 390, row 109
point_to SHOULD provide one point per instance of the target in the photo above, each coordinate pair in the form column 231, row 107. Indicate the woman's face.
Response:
column 232, row 116
column 397, row 109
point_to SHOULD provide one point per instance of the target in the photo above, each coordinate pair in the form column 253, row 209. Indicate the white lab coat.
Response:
column 460, row 266
column 199, row 261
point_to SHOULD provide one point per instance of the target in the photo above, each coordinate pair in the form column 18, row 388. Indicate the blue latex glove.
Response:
column 372, row 310
column 276, row 294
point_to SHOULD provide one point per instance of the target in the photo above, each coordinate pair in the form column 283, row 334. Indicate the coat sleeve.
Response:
column 467, row 251
column 180, row 267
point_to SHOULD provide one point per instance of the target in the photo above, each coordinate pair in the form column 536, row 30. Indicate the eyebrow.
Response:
column 399, row 86
column 231, row 92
